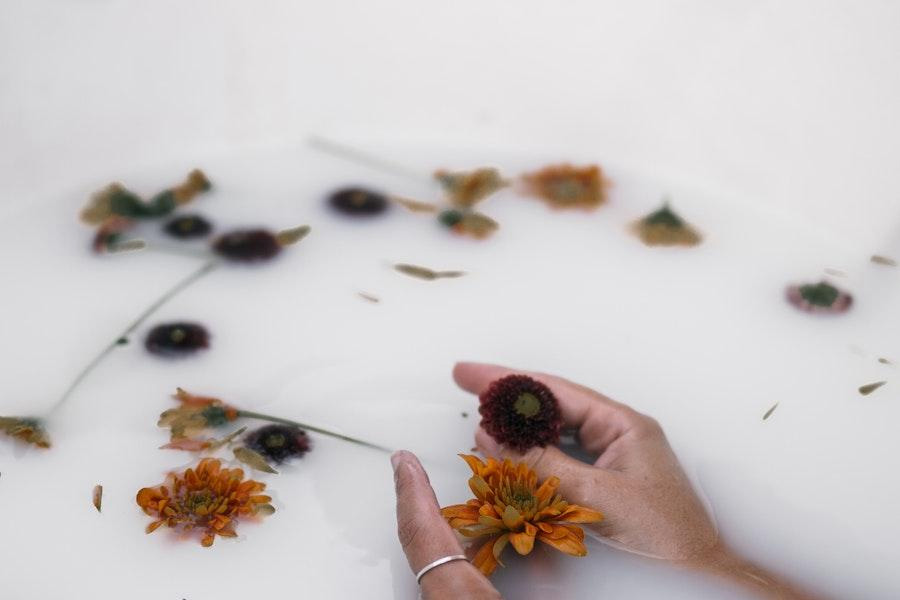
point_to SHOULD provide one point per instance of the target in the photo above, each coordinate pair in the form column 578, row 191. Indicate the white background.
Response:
column 791, row 105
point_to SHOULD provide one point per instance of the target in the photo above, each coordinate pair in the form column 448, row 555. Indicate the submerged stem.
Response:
column 263, row 417
column 168, row 295
column 358, row 156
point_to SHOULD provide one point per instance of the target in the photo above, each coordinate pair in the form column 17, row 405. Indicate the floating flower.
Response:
column 474, row 224
column 115, row 199
column 466, row 188
column 511, row 508
column 27, row 429
column 249, row 245
column 209, row 500
column 188, row 226
column 278, row 442
column 177, row 338
column 358, row 202
column 664, row 227
column 819, row 297
column 565, row 186
column 201, row 445
column 520, row 412
column 196, row 414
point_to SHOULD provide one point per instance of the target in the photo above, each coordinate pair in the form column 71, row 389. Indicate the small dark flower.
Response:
column 188, row 226
column 664, row 227
column 247, row 245
column 358, row 202
column 177, row 338
column 520, row 412
column 819, row 297
column 278, row 442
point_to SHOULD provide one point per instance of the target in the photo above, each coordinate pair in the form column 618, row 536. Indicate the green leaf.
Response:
column 253, row 459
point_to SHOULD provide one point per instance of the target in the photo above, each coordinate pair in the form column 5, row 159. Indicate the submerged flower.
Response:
column 209, row 500
column 27, row 429
column 819, row 297
column 511, row 508
column 188, row 226
column 466, row 188
column 357, row 201
column 664, row 227
column 471, row 223
column 196, row 414
column 177, row 338
column 520, row 412
column 565, row 186
column 247, row 245
column 115, row 199
column 278, row 442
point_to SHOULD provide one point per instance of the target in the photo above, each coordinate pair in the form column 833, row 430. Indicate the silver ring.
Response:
column 438, row 563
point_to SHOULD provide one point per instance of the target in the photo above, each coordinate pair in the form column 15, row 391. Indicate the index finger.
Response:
column 598, row 420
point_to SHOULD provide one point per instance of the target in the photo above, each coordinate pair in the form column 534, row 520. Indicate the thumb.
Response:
column 580, row 483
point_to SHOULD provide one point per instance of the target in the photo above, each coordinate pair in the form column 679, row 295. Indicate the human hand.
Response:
column 636, row 481
column 425, row 537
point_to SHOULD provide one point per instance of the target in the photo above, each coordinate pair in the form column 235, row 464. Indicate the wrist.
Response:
column 457, row 579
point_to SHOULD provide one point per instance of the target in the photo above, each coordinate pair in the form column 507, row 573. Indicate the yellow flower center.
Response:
column 527, row 405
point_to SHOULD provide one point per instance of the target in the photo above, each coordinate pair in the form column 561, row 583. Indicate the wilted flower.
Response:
column 664, row 227
column 466, row 188
column 196, row 414
column 247, row 245
column 177, row 338
column 188, row 226
column 565, row 186
column 819, row 297
column 115, row 199
column 511, row 508
column 110, row 232
column 357, row 201
column 278, row 442
column 27, row 429
column 209, row 500
column 520, row 412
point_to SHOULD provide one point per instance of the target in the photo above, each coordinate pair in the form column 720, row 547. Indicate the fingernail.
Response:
column 396, row 458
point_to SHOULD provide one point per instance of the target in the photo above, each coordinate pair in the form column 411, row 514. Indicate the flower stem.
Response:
column 263, row 417
column 358, row 156
column 168, row 295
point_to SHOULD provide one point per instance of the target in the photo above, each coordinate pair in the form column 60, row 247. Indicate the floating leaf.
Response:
column 98, row 496
column 835, row 272
column 416, row 206
column 883, row 260
column 867, row 389
column 126, row 246
column 369, row 297
column 287, row 237
column 426, row 273
column 885, row 361
column 770, row 411
column 253, row 459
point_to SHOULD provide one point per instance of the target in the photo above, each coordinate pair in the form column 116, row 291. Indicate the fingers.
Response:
column 599, row 420
column 424, row 534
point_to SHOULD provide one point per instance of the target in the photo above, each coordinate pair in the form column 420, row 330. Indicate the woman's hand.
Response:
column 425, row 537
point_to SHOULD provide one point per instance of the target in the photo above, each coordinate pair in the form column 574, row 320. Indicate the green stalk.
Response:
column 263, row 417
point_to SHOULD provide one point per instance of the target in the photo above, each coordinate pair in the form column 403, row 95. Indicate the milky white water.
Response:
column 699, row 338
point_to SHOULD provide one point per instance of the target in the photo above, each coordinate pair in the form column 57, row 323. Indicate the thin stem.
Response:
column 358, row 156
column 263, row 417
column 171, row 293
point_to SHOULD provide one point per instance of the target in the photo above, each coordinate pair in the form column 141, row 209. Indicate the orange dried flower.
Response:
column 466, row 188
column 27, row 429
column 208, row 499
column 511, row 508
column 196, row 414
column 565, row 186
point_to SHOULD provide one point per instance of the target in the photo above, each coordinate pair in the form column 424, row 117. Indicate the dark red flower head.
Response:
column 247, row 245
column 356, row 201
column 188, row 226
column 520, row 412
column 177, row 338
column 278, row 442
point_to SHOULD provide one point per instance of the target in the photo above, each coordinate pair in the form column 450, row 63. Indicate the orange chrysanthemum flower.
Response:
column 208, row 499
column 565, row 186
column 510, row 507
column 196, row 414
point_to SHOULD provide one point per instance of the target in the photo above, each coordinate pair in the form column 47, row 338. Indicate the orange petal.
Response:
column 499, row 546
column 522, row 542
column 208, row 540
column 154, row 526
column 463, row 511
column 474, row 462
column 579, row 514
column 512, row 518
column 567, row 543
column 547, row 489
column 479, row 487
column 484, row 559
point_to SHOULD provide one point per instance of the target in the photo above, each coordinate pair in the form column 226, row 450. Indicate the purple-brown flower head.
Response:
column 177, row 339
column 187, row 227
column 278, row 442
column 358, row 202
column 247, row 245
column 819, row 297
column 520, row 412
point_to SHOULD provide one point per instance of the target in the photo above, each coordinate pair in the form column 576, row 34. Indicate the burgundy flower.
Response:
column 360, row 202
column 520, row 412
column 177, row 338
column 278, row 442
column 819, row 297
column 247, row 245
column 188, row 226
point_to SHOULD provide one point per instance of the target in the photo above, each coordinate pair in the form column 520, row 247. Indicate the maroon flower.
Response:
column 356, row 201
column 278, row 442
column 819, row 297
column 177, row 339
column 188, row 226
column 247, row 245
column 520, row 412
